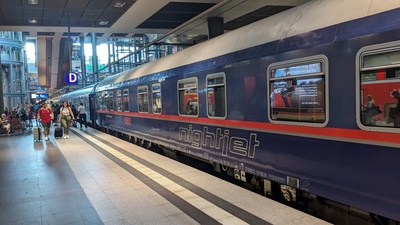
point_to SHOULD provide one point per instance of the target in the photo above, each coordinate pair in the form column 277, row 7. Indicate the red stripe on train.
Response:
column 266, row 126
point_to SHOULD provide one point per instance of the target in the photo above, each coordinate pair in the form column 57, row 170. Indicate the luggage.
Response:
column 37, row 134
column 58, row 132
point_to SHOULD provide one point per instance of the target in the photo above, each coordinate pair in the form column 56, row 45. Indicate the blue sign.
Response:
column 40, row 96
column 71, row 78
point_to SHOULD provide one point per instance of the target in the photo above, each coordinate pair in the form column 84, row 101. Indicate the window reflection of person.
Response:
column 368, row 114
column 283, row 98
column 189, row 106
column 396, row 115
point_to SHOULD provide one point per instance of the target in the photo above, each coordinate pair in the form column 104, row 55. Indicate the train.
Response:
column 278, row 104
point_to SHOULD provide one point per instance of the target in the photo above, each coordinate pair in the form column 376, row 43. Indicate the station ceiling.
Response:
column 179, row 21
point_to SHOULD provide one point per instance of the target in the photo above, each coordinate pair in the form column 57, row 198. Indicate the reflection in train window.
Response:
column 216, row 95
column 143, row 99
column 105, row 100
column 188, row 96
column 379, row 76
column 99, row 101
column 111, row 101
column 119, row 100
column 126, row 100
column 156, row 92
column 297, row 90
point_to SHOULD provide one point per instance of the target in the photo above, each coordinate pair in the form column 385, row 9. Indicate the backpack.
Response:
column 36, row 108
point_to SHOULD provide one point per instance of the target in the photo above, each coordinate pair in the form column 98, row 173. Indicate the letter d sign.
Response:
column 71, row 78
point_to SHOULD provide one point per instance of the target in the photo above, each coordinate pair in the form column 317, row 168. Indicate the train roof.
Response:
column 310, row 16
column 78, row 93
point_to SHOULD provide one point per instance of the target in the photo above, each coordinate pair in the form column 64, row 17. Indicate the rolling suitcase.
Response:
column 37, row 134
column 58, row 132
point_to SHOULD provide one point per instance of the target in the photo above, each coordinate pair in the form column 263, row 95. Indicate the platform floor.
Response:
column 95, row 178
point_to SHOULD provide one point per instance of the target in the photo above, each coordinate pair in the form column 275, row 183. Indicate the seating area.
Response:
column 16, row 127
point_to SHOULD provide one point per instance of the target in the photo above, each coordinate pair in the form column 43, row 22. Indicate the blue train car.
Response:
column 281, row 101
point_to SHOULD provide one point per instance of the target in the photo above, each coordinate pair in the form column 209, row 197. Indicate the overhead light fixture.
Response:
column 119, row 4
column 103, row 23
column 32, row 21
column 33, row 2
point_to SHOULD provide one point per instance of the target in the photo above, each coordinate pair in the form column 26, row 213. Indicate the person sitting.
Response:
column 5, row 123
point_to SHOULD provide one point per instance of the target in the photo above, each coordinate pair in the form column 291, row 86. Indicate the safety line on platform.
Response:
column 210, row 204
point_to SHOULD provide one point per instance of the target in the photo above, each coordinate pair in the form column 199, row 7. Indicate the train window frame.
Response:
column 214, row 76
column 119, row 100
column 323, row 61
column 179, row 89
column 125, row 94
column 155, row 91
column 145, row 92
column 360, row 90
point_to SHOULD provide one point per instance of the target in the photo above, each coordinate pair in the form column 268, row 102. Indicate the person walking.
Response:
column 66, row 116
column 45, row 115
column 82, row 115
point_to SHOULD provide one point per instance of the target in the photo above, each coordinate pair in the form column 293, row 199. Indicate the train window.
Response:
column 378, row 101
column 119, row 100
column 188, row 97
column 298, row 91
column 143, row 99
column 111, row 101
column 126, row 100
column 156, row 93
column 216, row 96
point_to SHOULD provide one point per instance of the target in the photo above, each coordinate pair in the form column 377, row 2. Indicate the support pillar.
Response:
column 215, row 26
column 83, row 60
column 94, row 58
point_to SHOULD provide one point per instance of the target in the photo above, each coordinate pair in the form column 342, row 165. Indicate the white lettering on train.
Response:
column 220, row 140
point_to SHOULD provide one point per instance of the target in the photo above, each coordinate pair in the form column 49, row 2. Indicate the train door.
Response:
column 92, row 114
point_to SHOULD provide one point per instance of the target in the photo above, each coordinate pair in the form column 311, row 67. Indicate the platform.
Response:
column 95, row 178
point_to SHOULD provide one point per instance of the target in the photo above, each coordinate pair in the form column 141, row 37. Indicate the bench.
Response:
column 15, row 125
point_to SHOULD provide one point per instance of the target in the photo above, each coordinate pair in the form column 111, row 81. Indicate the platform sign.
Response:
column 71, row 78
column 40, row 96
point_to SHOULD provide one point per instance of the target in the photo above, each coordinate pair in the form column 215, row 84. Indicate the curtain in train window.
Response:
column 126, row 100
column 216, row 100
column 111, row 101
column 156, row 92
column 143, row 99
column 379, row 88
column 188, row 96
column 119, row 100
column 297, row 92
